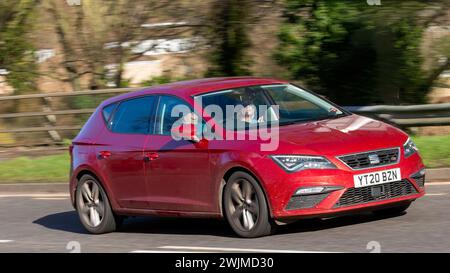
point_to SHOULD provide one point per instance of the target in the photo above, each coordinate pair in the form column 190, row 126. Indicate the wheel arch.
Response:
column 88, row 171
column 228, row 174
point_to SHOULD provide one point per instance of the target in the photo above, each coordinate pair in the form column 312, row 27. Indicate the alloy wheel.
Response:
column 244, row 205
column 91, row 203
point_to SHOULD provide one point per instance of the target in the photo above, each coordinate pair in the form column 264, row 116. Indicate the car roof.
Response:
column 190, row 88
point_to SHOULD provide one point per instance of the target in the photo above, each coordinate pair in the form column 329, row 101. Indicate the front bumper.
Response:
column 284, row 203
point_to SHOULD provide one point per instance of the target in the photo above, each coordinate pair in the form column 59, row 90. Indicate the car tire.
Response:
column 245, row 206
column 93, row 207
column 393, row 210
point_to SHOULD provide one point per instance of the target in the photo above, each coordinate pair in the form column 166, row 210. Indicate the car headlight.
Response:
column 409, row 148
column 294, row 163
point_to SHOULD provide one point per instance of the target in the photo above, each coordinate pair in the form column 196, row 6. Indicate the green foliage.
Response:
column 158, row 80
column 408, row 37
column 318, row 49
column 67, row 142
column 124, row 83
column 85, row 102
column 229, row 38
column 16, row 51
column 354, row 53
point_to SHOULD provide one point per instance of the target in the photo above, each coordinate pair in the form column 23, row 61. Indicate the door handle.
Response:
column 150, row 157
column 104, row 154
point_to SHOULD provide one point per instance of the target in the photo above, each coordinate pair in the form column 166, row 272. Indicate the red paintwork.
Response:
column 186, row 179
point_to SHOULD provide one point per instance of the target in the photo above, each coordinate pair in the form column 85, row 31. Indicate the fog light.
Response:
column 313, row 190
column 316, row 190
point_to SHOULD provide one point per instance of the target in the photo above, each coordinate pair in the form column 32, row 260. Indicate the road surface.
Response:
column 36, row 222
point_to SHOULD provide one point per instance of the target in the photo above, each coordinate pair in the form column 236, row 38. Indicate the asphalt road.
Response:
column 47, row 223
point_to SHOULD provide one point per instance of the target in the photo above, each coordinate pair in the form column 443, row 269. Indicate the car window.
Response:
column 297, row 104
column 133, row 116
column 164, row 119
column 284, row 103
column 289, row 101
column 250, row 98
column 107, row 111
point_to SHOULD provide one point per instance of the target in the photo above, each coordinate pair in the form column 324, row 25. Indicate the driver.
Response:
column 248, row 115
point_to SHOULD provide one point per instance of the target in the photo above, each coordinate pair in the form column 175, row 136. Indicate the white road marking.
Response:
column 36, row 195
column 437, row 183
column 435, row 194
column 50, row 198
column 6, row 241
column 224, row 249
column 24, row 184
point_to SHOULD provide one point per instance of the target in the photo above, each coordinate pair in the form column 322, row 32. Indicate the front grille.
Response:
column 356, row 196
column 305, row 201
column 371, row 159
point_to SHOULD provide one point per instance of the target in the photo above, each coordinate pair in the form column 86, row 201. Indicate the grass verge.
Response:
column 51, row 168
column 435, row 150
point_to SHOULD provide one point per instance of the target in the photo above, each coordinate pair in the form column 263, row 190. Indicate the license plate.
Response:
column 377, row 178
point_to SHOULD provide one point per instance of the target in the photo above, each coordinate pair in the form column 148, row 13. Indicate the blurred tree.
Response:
column 229, row 38
column 227, row 33
column 316, row 46
column 102, row 32
column 441, row 62
column 16, row 52
column 355, row 53
column 407, row 75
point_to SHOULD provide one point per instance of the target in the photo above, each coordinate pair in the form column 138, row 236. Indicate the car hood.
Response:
column 350, row 134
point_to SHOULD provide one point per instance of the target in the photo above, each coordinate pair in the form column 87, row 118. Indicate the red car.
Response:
column 136, row 156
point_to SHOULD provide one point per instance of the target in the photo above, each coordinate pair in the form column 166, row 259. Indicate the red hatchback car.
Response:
column 258, row 152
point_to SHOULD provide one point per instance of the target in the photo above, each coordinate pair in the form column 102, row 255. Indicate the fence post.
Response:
column 50, row 119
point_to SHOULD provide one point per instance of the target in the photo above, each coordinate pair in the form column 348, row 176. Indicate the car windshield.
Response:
column 283, row 103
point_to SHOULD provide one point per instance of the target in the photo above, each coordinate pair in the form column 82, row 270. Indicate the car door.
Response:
column 120, row 153
column 178, row 172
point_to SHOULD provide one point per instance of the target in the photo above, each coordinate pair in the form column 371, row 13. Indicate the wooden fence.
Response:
column 402, row 116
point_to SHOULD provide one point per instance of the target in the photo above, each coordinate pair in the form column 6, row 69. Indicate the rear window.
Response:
column 133, row 116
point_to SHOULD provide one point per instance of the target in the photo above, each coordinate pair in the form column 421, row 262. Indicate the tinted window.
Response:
column 250, row 98
column 294, row 104
column 164, row 118
column 133, row 116
column 108, row 110
column 299, row 104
